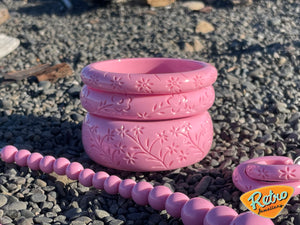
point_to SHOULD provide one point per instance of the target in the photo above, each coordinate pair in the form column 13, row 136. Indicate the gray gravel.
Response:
column 255, row 48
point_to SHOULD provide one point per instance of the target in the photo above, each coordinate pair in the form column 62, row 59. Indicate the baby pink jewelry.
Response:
column 147, row 114
column 146, row 107
column 149, row 75
column 145, row 145
column 265, row 171
column 195, row 211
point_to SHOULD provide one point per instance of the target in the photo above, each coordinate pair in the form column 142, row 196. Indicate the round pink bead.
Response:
column 158, row 196
column 99, row 179
column 86, row 177
column 140, row 192
column 73, row 170
column 174, row 203
column 220, row 215
column 46, row 164
column 111, row 184
column 194, row 211
column 125, row 188
column 60, row 165
column 21, row 157
column 33, row 161
column 8, row 153
column 249, row 218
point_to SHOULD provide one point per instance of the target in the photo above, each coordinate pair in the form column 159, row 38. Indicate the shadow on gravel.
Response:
column 49, row 7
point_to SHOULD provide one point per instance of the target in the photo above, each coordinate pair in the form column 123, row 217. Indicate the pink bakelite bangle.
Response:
column 149, row 75
column 195, row 211
column 146, row 107
column 246, row 182
column 147, row 146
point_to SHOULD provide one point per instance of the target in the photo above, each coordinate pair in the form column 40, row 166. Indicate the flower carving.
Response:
column 122, row 132
column 182, row 156
column 116, row 82
column 262, row 173
column 138, row 130
column 287, row 173
column 144, row 85
column 172, row 149
column 174, row 84
column 130, row 158
column 178, row 103
column 120, row 148
column 198, row 81
column 121, row 104
column 162, row 136
column 175, row 131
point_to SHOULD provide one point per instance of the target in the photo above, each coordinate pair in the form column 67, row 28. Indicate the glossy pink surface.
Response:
column 125, row 188
column 60, row 165
column 47, row 163
column 33, row 161
column 149, row 75
column 249, row 218
column 73, row 170
column 146, row 107
column 21, row 157
column 194, row 211
column 158, row 196
column 245, row 183
column 175, row 202
column 147, row 146
column 140, row 192
column 8, row 153
column 284, row 172
column 86, row 177
column 99, row 179
column 220, row 215
column 111, row 184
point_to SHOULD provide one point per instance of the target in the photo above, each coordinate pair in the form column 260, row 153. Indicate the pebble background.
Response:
column 255, row 48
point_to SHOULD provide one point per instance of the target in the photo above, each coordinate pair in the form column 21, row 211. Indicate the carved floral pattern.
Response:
column 144, row 85
column 287, row 173
column 159, row 149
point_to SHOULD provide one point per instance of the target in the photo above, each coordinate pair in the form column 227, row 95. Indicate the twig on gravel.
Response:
column 42, row 72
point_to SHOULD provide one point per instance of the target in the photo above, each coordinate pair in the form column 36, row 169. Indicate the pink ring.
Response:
column 245, row 183
column 149, row 75
column 147, row 146
column 147, row 107
column 284, row 172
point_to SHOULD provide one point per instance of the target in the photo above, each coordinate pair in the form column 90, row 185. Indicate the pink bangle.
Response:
column 146, row 107
column 193, row 211
column 244, row 182
column 147, row 146
column 149, row 75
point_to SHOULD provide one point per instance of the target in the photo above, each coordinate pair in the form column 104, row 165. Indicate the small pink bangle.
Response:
column 146, row 107
column 244, row 182
column 149, row 75
column 147, row 145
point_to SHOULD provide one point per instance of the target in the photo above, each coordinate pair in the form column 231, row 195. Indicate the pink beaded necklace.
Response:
column 194, row 211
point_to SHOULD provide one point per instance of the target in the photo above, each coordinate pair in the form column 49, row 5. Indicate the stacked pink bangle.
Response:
column 195, row 211
column 147, row 114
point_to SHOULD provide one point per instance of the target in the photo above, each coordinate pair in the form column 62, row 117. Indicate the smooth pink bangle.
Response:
column 195, row 211
column 243, row 181
column 149, row 75
column 146, row 107
column 147, row 146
